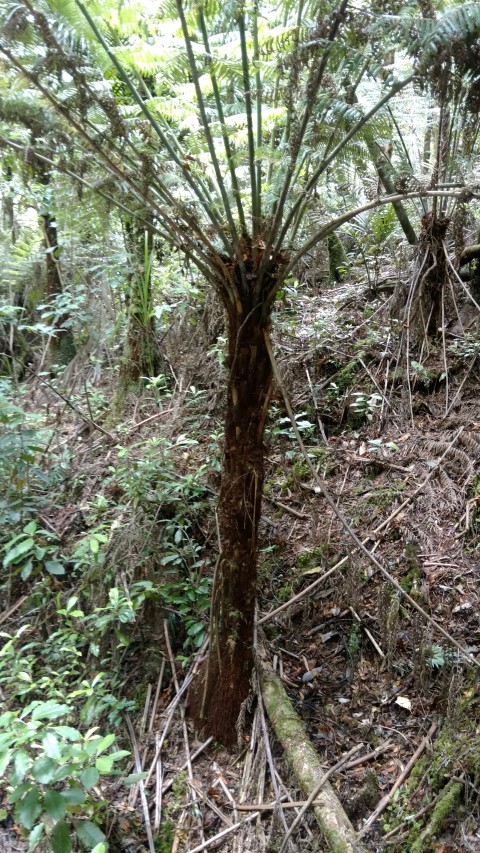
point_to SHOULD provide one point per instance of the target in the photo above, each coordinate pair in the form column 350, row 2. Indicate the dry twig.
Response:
column 401, row 779
column 138, row 768
column 347, row 527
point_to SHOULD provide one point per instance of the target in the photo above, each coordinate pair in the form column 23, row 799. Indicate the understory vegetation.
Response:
column 239, row 427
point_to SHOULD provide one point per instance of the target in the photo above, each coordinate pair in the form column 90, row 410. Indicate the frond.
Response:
column 18, row 268
column 23, row 107
column 459, row 24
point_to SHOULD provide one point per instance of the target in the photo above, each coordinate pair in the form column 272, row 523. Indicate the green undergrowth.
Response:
column 84, row 601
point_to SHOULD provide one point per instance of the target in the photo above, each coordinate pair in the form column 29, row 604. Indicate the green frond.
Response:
column 23, row 107
column 18, row 267
column 459, row 24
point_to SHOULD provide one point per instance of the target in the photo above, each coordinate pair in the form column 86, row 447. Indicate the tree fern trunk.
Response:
column 225, row 682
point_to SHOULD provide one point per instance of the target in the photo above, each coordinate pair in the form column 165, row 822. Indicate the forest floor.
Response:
column 398, row 449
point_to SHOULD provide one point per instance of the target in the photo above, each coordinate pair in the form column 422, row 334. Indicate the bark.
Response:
column 224, row 683
column 62, row 345
column 419, row 307
column 401, row 213
column 331, row 817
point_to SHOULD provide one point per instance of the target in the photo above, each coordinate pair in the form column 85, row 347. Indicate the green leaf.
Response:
column 94, row 545
column 100, row 848
column 60, row 838
column 18, row 551
column 63, row 771
column 5, row 760
column 51, row 746
column 68, row 732
column 89, row 777
column 73, row 796
column 21, row 764
column 54, row 805
column 35, row 836
column 43, row 769
column 89, row 833
column 104, row 764
column 27, row 570
column 29, row 809
column 53, row 567
column 134, row 777
column 196, row 628
column 18, row 792
column 49, row 711
column 25, row 676
column 105, row 743
column 116, row 756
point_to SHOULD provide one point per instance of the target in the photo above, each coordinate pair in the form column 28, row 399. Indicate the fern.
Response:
column 20, row 266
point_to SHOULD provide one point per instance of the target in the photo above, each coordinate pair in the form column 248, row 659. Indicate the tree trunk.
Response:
column 419, row 306
column 224, row 683
column 62, row 346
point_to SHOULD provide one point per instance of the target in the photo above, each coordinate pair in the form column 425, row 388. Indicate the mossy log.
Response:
column 470, row 253
column 338, row 832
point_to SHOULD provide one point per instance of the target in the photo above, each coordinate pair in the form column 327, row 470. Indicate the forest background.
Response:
column 186, row 190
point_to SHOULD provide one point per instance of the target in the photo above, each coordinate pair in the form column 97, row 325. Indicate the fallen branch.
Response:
column 290, row 509
column 331, row 817
column 220, row 835
column 316, row 791
column 269, row 807
column 138, row 769
column 369, row 756
column 184, row 766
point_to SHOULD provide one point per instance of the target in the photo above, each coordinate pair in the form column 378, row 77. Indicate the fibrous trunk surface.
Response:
column 226, row 679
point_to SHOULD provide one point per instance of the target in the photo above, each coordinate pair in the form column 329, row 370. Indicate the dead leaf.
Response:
column 404, row 702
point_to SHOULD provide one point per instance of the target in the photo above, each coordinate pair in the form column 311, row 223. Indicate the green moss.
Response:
column 456, row 751
column 337, row 258
column 411, row 579
column 474, row 489
column 354, row 640
column 311, row 559
column 444, row 806
column 297, row 471
column 164, row 840
column 346, row 376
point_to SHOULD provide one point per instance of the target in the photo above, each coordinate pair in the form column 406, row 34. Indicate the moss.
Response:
column 447, row 802
column 164, row 840
column 297, row 471
column 366, row 798
column 411, row 579
column 354, row 640
column 337, row 258
column 346, row 376
column 311, row 559
column 456, row 751
column 474, row 489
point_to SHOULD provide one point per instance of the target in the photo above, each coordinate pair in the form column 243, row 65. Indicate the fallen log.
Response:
column 334, row 823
